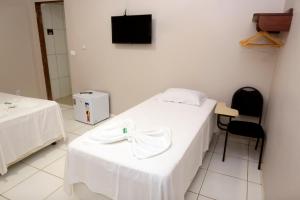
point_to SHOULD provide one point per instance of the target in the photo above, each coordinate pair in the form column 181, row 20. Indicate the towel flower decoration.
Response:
column 144, row 143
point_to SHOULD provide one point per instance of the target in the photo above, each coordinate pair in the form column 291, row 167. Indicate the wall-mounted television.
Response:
column 132, row 29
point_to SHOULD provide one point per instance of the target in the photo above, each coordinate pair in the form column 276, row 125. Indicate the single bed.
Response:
column 112, row 171
column 26, row 126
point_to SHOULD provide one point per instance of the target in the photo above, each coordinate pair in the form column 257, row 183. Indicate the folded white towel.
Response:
column 113, row 132
column 144, row 143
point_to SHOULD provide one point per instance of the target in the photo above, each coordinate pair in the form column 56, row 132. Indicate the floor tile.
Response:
column 253, row 142
column 200, row 197
column 222, row 187
column 16, row 173
column 57, row 168
column 44, row 157
column 68, row 114
column 206, row 160
column 37, row 187
column 83, row 129
column 255, row 191
column 64, row 144
column 232, row 166
column 104, row 121
column 65, row 107
column 61, row 195
column 254, row 175
column 198, row 181
column 72, row 125
column 235, row 138
column 190, row 196
column 253, row 154
column 233, row 149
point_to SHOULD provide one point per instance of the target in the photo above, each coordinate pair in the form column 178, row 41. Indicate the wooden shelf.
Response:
column 273, row 22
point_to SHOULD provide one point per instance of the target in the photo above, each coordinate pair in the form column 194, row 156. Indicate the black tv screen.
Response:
column 134, row 29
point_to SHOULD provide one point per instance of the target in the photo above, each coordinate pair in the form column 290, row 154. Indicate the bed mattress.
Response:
column 25, row 125
column 114, row 172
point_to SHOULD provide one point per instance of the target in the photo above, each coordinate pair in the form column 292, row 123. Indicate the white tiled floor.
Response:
column 235, row 179
column 44, row 157
column 254, row 191
column 57, row 167
column 233, row 166
column 219, row 186
column 40, row 176
column 37, row 187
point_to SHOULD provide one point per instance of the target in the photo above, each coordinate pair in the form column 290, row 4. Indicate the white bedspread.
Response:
column 113, row 171
column 28, row 124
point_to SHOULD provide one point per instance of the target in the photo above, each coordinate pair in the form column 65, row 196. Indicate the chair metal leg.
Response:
column 257, row 141
column 261, row 152
column 225, row 145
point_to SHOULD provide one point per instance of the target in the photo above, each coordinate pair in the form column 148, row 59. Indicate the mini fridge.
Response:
column 91, row 107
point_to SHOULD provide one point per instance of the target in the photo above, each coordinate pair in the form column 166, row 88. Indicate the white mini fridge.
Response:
column 91, row 107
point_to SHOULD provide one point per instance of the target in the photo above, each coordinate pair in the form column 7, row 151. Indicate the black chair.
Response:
column 249, row 102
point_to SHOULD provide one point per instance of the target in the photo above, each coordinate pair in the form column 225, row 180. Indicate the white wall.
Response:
column 56, row 46
column 17, row 59
column 281, row 158
column 195, row 45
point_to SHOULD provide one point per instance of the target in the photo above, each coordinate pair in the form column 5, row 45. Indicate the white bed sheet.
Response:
column 28, row 126
column 111, row 170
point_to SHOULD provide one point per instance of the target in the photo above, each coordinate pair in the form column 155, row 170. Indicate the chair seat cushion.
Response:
column 248, row 129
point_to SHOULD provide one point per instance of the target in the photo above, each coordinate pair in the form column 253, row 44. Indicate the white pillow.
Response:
column 186, row 96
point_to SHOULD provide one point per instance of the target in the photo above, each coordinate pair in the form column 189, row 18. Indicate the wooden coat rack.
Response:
column 253, row 40
column 267, row 23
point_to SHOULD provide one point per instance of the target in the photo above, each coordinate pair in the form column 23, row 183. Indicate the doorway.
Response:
column 52, row 34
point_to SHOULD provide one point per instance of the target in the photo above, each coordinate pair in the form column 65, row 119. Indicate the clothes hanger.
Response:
column 253, row 40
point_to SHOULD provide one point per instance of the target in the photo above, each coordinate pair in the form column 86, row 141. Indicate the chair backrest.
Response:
column 248, row 101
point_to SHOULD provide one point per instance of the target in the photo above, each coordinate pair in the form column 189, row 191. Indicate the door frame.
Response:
column 40, row 27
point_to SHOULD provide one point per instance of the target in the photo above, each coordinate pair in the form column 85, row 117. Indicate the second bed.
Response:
column 26, row 126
